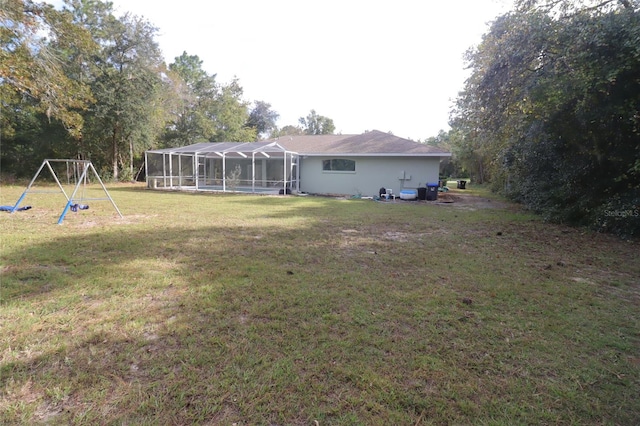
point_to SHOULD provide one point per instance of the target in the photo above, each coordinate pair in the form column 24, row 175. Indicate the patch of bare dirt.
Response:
column 460, row 200
column 469, row 201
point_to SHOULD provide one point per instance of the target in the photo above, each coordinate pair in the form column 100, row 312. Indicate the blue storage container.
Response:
column 408, row 194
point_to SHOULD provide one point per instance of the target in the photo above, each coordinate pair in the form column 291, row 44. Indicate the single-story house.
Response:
column 312, row 164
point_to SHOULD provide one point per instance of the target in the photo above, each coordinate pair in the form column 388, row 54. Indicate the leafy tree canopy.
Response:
column 33, row 40
column 550, row 113
column 262, row 118
column 315, row 124
column 288, row 130
column 190, row 119
column 230, row 114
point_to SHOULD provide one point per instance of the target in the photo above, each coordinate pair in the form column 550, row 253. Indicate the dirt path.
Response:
column 468, row 201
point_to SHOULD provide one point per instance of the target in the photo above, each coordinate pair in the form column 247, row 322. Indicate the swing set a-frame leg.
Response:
column 64, row 212
column 79, row 182
column 24, row 194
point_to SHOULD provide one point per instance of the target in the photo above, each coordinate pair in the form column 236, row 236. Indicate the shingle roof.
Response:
column 373, row 143
column 369, row 143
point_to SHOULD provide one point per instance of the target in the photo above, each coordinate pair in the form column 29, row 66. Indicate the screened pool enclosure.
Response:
column 264, row 167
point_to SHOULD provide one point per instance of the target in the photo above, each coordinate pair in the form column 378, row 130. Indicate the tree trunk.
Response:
column 131, row 157
column 115, row 153
column 480, row 172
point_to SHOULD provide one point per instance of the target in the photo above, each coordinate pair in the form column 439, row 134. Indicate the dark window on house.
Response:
column 339, row 165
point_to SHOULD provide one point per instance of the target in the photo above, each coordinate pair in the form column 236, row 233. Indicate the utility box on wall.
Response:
column 403, row 176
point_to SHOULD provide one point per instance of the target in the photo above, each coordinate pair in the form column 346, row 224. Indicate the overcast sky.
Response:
column 393, row 65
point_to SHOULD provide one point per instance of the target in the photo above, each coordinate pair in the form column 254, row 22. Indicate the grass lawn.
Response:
column 249, row 310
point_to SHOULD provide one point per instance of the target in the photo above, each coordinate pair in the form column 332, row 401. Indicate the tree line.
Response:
column 79, row 82
column 550, row 115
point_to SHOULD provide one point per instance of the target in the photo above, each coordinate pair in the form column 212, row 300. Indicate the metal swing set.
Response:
column 79, row 170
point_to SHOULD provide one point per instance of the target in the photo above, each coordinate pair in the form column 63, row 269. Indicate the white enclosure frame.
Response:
column 196, row 167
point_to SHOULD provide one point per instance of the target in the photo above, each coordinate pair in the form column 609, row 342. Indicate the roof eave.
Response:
column 394, row 154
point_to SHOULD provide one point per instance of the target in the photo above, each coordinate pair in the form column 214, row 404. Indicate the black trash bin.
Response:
column 432, row 191
column 422, row 193
column 462, row 184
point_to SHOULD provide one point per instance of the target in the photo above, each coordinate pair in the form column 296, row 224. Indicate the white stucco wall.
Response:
column 371, row 174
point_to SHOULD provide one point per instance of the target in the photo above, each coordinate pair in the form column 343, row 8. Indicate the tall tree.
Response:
column 33, row 40
column 196, row 92
column 205, row 110
column 315, row 124
column 262, row 118
column 230, row 114
column 551, row 112
column 493, row 107
column 126, row 82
